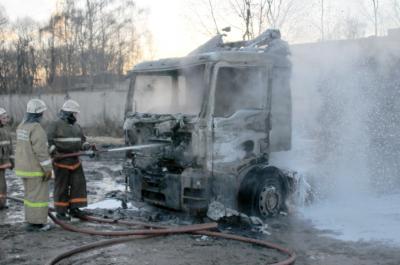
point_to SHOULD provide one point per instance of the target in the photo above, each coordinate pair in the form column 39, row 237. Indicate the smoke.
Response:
column 344, row 114
column 346, row 129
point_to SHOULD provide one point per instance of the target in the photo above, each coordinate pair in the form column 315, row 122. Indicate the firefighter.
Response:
column 66, row 136
column 33, row 165
column 6, row 152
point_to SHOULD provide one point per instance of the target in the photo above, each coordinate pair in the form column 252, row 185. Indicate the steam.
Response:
column 345, row 133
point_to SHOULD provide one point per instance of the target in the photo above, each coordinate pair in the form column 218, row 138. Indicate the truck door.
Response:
column 240, row 116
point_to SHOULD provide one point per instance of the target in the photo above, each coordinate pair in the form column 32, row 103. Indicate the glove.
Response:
column 47, row 176
column 52, row 150
column 86, row 146
column 93, row 147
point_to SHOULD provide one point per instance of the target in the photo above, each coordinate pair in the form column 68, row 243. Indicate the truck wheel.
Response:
column 269, row 198
column 262, row 194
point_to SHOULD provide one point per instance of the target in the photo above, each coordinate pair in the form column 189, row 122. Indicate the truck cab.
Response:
column 217, row 115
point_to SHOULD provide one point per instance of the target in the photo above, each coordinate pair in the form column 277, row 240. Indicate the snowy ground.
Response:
column 370, row 219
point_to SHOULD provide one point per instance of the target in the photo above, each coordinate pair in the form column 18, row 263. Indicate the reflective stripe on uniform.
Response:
column 6, row 165
column 21, row 173
column 70, row 167
column 35, row 204
column 77, row 200
column 5, row 142
column 71, row 139
column 22, row 135
column 45, row 163
column 62, row 204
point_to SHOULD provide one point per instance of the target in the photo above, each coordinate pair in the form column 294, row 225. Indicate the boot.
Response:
column 63, row 217
column 37, row 227
column 76, row 212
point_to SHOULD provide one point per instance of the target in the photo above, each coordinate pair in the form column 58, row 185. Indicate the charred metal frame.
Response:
column 193, row 187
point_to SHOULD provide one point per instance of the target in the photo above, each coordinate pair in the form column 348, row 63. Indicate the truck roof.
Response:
column 250, row 57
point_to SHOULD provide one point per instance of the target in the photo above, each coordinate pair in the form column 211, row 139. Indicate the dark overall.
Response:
column 70, row 183
column 5, row 162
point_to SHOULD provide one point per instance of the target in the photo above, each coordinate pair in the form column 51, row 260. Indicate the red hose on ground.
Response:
column 291, row 254
column 163, row 231
column 146, row 233
column 90, row 218
column 105, row 243
column 290, row 260
column 91, row 246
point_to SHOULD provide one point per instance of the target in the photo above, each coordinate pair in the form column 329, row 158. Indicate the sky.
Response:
column 172, row 35
column 171, row 32
column 177, row 30
column 38, row 9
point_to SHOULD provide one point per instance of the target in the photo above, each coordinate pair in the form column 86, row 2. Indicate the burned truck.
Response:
column 213, row 118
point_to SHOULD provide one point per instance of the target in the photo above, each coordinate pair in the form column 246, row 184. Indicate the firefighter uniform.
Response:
column 33, row 165
column 5, row 161
column 70, row 184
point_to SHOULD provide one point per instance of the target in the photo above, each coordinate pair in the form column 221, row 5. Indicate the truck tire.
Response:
column 270, row 198
column 262, row 193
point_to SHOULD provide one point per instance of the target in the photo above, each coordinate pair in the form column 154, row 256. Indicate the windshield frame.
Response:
column 129, row 107
column 213, row 83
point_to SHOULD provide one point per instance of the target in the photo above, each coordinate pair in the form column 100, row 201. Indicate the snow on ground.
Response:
column 347, row 207
column 369, row 219
column 110, row 204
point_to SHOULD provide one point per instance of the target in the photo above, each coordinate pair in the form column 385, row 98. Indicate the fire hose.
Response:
column 95, row 152
column 152, row 231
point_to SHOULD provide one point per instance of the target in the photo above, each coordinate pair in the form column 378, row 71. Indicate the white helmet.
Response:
column 71, row 106
column 36, row 106
column 2, row 111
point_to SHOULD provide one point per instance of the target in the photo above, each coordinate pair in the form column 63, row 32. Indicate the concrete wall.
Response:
column 96, row 106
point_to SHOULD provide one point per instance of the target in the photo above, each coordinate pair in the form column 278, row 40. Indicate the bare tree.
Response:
column 396, row 10
column 278, row 12
column 353, row 28
column 51, row 64
column 322, row 20
column 347, row 27
column 375, row 5
column 250, row 17
column 248, row 20
column 3, row 17
column 5, row 60
column 213, row 16
column 26, row 63
column 244, row 11
column 84, row 43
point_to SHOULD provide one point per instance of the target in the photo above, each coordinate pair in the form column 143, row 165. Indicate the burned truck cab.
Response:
column 217, row 116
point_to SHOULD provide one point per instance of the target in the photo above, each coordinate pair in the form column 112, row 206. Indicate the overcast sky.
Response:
column 172, row 21
column 171, row 33
column 38, row 9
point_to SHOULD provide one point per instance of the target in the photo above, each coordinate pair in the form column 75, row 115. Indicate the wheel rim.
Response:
column 269, row 201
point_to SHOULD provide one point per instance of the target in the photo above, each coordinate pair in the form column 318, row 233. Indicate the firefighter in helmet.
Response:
column 6, row 151
column 65, row 137
column 33, row 165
